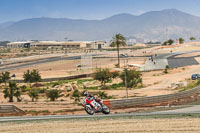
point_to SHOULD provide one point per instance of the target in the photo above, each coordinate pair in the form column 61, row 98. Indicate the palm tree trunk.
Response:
column 11, row 99
column 118, row 55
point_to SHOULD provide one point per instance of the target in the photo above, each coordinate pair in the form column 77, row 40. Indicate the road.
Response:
column 162, row 60
column 189, row 110
column 6, row 68
column 47, row 60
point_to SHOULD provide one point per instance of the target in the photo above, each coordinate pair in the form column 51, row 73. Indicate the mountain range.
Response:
column 153, row 25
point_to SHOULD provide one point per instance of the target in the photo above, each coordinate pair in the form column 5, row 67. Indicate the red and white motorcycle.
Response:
column 92, row 106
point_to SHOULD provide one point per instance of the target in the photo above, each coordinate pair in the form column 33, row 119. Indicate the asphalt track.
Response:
column 181, row 61
column 25, row 64
column 6, row 68
column 189, row 110
column 162, row 60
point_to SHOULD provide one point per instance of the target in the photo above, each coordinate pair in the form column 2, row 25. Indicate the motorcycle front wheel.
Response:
column 89, row 110
column 105, row 110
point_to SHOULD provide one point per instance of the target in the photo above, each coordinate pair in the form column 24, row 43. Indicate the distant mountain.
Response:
column 6, row 24
column 154, row 25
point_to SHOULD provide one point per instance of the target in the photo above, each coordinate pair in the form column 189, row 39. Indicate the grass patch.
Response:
column 93, row 88
column 116, row 86
column 61, row 82
column 190, row 85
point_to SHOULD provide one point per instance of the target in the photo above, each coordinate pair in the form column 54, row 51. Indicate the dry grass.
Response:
column 166, row 125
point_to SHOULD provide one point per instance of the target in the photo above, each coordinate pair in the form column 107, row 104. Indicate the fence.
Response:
column 133, row 102
column 10, row 109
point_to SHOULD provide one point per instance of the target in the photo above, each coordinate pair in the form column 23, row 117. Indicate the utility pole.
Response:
column 125, row 71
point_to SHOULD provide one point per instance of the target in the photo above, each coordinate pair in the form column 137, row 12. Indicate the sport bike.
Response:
column 92, row 106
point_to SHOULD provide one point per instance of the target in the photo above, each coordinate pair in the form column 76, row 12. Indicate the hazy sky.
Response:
column 14, row 10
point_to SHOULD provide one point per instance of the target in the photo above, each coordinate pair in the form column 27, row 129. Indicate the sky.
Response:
column 15, row 10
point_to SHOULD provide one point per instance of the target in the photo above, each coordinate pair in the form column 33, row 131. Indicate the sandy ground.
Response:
column 69, row 67
column 165, row 125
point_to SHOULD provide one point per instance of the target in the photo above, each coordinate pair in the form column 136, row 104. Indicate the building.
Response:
column 57, row 44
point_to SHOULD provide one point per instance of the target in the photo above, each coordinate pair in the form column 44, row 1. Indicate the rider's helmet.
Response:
column 86, row 93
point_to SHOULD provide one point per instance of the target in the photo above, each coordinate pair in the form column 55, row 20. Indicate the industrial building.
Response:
column 52, row 44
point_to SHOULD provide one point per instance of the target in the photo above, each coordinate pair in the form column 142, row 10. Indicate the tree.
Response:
column 115, row 74
column 32, row 76
column 117, row 41
column 33, row 93
column 133, row 77
column 192, row 38
column 53, row 94
column 12, row 91
column 103, row 75
column 36, row 77
column 168, row 42
column 27, row 76
column 5, row 77
column 1, row 80
column 181, row 40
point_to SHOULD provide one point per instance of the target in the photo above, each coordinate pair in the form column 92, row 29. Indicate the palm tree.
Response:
column 5, row 77
column 117, row 41
column 32, row 76
column 12, row 91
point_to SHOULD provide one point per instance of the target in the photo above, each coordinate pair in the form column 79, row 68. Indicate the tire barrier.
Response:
column 146, row 101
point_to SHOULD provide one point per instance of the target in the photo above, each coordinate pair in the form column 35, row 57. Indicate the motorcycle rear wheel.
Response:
column 105, row 110
column 89, row 110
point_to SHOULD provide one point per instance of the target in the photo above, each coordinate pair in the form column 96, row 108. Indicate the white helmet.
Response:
column 86, row 93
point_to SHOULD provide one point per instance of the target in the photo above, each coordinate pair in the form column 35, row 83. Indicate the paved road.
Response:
column 189, row 110
column 6, row 68
column 181, row 61
column 161, row 60
column 36, row 62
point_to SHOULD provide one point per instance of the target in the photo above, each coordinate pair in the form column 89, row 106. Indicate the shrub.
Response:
column 103, row 75
column 53, row 94
column 42, row 90
column 115, row 86
column 105, row 87
column 76, row 95
column 33, row 93
column 23, row 88
column 166, row 69
column 115, row 74
column 103, row 95
column 133, row 77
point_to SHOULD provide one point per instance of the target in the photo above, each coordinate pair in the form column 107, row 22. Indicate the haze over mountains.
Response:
column 154, row 25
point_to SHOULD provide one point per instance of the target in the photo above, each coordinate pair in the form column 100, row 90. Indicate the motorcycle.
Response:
column 92, row 106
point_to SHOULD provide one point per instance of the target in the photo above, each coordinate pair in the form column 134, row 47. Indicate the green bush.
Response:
column 105, row 87
column 133, row 77
column 116, row 86
column 33, row 93
column 76, row 95
column 42, row 90
column 103, row 95
column 53, row 94
column 23, row 88
column 103, row 75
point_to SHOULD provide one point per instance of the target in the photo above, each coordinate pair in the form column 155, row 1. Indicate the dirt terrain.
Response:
column 154, row 82
column 151, row 125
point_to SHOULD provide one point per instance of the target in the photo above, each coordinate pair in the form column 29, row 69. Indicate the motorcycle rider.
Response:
column 86, row 94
